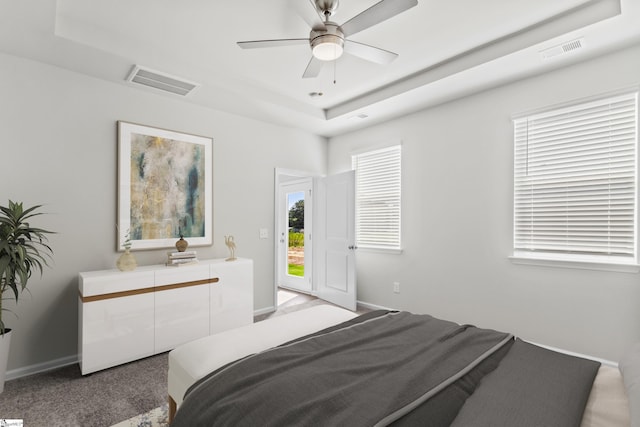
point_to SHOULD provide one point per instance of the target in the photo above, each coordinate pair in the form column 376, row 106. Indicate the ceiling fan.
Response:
column 328, row 40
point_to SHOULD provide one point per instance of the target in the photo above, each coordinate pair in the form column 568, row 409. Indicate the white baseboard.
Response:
column 262, row 311
column 41, row 367
column 373, row 306
column 572, row 353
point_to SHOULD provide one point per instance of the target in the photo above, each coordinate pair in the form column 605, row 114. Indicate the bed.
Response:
column 386, row 368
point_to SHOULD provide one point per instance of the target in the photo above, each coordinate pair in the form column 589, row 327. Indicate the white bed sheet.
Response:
column 192, row 361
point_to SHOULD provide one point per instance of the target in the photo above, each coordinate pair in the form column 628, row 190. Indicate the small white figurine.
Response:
column 228, row 240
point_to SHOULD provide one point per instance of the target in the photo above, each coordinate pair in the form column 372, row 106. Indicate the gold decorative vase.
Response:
column 126, row 261
column 181, row 245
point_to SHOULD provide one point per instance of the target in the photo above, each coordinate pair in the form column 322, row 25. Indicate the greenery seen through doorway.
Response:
column 295, row 253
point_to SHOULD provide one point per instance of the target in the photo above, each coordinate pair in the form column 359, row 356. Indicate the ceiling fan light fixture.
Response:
column 328, row 47
column 327, row 44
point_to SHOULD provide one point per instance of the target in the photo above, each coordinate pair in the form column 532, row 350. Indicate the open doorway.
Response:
column 327, row 206
column 294, row 225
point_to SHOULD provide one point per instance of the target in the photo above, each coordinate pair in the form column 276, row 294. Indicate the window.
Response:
column 575, row 182
column 378, row 176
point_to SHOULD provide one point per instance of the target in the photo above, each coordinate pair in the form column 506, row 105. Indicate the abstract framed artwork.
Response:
column 165, row 187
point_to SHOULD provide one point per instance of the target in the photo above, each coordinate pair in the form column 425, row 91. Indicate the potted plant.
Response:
column 23, row 250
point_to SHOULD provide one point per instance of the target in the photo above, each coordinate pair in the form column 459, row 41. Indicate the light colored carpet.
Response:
column 65, row 398
column 157, row 417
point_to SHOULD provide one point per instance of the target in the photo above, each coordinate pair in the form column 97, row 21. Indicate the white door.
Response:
column 294, row 252
column 335, row 239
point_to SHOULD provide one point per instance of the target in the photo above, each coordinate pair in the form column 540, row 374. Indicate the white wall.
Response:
column 58, row 148
column 457, row 221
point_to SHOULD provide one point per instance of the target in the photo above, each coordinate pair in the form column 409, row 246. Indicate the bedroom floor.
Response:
column 289, row 298
column 289, row 301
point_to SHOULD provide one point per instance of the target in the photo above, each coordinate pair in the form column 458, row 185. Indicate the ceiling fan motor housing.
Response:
column 327, row 44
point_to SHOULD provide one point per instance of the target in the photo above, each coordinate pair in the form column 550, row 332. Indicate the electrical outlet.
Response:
column 264, row 233
column 396, row 287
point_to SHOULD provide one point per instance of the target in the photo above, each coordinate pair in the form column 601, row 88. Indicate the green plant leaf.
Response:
column 23, row 249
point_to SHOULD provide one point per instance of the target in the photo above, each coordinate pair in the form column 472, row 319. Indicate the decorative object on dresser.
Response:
column 125, row 316
column 23, row 250
column 159, row 172
column 181, row 244
column 179, row 259
column 126, row 261
column 231, row 244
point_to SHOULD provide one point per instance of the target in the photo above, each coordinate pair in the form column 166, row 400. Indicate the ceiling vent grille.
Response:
column 562, row 49
column 161, row 81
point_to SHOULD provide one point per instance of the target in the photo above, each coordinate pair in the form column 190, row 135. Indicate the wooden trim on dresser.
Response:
column 112, row 295
column 141, row 291
column 173, row 408
column 186, row 284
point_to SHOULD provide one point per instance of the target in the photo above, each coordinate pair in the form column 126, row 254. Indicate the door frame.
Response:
column 283, row 175
column 305, row 283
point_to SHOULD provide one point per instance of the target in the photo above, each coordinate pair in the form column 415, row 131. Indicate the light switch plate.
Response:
column 264, row 233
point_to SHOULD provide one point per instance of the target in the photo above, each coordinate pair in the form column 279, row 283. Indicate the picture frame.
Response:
column 165, row 187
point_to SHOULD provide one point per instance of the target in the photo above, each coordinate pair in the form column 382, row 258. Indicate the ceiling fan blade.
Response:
column 377, row 13
column 370, row 53
column 254, row 44
column 310, row 14
column 313, row 68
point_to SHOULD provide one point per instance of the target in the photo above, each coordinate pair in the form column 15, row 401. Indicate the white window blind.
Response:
column 378, row 186
column 575, row 181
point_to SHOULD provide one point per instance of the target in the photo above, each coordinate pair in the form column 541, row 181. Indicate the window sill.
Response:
column 619, row 267
column 380, row 250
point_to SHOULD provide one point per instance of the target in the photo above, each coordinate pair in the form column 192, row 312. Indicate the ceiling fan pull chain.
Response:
column 335, row 66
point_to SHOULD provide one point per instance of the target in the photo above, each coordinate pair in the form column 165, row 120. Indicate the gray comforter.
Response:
column 395, row 368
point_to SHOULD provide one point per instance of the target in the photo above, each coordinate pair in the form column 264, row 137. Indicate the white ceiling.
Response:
column 446, row 49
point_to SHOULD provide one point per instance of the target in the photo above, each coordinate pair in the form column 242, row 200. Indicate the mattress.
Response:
column 607, row 404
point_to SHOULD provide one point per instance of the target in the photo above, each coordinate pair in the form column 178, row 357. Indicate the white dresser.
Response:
column 125, row 316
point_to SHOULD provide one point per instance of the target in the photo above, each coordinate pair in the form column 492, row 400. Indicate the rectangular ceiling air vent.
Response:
column 563, row 48
column 161, row 81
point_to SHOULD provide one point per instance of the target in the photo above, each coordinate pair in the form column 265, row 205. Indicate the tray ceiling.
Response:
column 446, row 49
